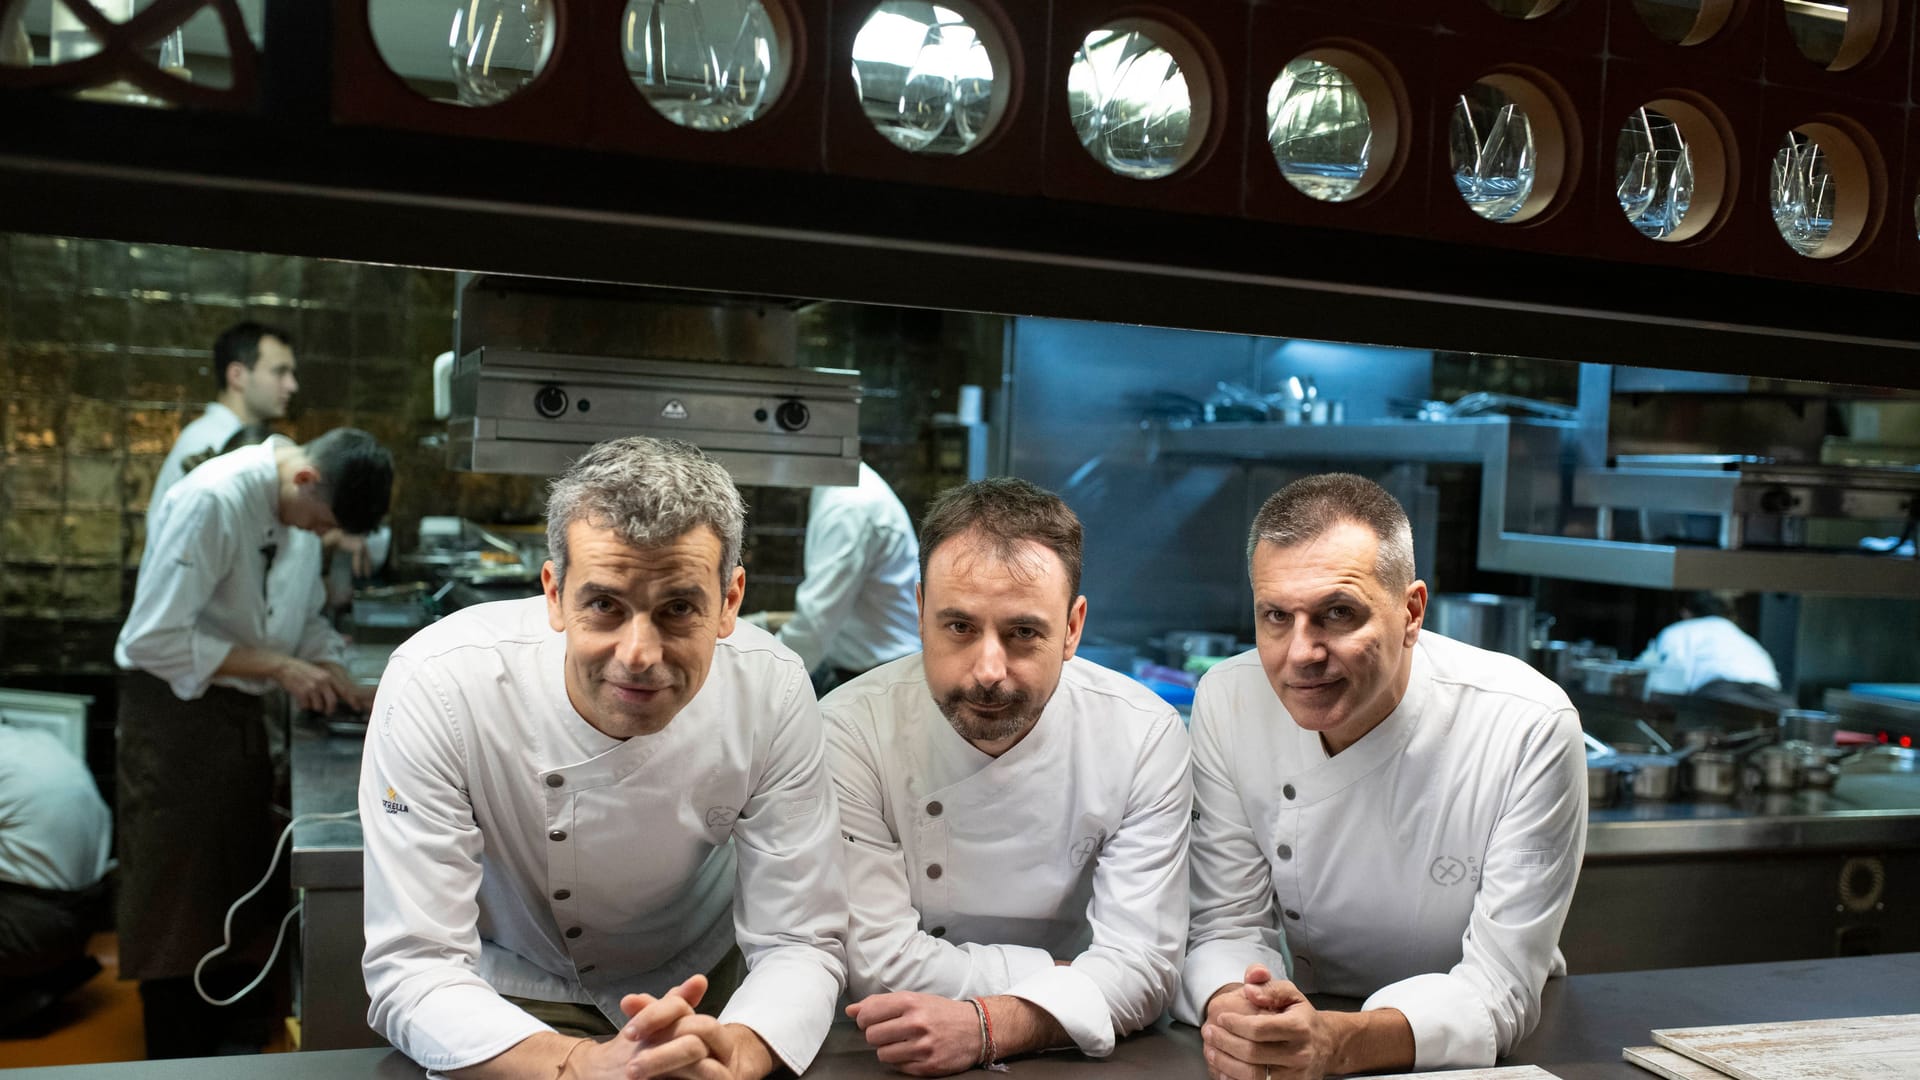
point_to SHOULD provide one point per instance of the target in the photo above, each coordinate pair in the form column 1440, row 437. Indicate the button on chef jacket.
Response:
column 204, row 586
column 512, row 848
column 970, row 875
column 1427, row 868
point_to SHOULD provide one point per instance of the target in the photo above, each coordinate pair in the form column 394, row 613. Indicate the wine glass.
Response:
column 1319, row 129
column 701, row 64
column 498, row 46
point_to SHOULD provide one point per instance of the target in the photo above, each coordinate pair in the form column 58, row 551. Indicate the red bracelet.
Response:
column 993, row 1048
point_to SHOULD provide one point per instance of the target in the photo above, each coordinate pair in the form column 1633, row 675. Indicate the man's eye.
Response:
column 679, row 609
column 958, row 628
column 600, row 605
column 1340, row 613
column 1025, row 633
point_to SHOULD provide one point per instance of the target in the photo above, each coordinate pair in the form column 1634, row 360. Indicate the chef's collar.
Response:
column 1385, row 742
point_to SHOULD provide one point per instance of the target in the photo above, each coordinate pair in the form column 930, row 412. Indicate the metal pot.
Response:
column 1603, row 781
column 1777, row 768
column 1500, row 623
column 1613, row 678
column 1655, row 777
column 1713, row 774
column 1810, row 726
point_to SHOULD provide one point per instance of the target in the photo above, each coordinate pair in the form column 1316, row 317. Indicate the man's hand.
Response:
column 702, row 1048
column 309, row 685
column 920, row 1034
column 335, row 539
column 351, row 694
column 1265, row 1028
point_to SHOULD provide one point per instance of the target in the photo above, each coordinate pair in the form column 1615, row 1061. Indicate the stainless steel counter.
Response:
column 1862, row 810
column 1585, row 1021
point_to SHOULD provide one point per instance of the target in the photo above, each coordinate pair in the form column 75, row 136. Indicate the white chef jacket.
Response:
column 855, row 607
column 210, row 431
column 55, row 831
column 203, row 584
column 1428, row 867
column 1694, row 652
column 969, row 875
column 512, row 848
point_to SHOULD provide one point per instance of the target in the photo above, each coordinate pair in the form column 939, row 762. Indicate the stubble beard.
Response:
column 1018, row 715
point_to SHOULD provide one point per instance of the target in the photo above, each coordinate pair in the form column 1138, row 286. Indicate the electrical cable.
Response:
column 226, row 931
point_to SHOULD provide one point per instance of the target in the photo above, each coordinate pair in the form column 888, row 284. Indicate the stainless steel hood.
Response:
column 532, row 413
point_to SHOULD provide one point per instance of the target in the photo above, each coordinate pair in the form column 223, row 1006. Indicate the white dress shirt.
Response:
column 512, row 848
column 55, row 831
column 970, row 875
column 210, row 431
column 855, row 608
column 203, row 584
column 1427, row 868
column 1694, row 652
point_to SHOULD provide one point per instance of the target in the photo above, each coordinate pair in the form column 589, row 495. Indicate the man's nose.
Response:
column 1306, row 647
column 989, row 661
column 639, row 646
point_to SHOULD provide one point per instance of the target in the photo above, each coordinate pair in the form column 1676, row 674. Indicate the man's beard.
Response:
column 1018, row 715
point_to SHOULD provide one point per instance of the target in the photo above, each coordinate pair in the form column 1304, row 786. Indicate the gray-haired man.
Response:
column 549, row 791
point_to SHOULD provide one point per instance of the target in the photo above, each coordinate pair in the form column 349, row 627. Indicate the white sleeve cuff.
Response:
column 789, row 1004
column 1451, row 1026
column 461, row 1025
column 1214, row 964
column 1075, row 1002
column 204, row 656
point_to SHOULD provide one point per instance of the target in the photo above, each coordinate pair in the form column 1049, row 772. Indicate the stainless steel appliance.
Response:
column 527, row 412
column 1745, row 500
column 1501, row 623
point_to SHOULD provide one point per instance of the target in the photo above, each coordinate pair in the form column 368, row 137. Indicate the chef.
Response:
column 1015, row 820
column 1403, row 813
column 854, row 609
column 1706, row 652
column 253, row 367
column 586, row 812
column 195, row 783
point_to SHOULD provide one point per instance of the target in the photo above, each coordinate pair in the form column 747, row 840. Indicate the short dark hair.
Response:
column 240, row 344
column 1005, row 512
column 1702, row 603
column 356, row 477
column 1307, row 508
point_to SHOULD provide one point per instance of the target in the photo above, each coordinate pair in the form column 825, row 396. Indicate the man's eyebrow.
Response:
column 594, row 588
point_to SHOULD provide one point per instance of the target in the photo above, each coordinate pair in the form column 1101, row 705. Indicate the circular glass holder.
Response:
column 1137, row 99
column 709, row 65
column 1321, row 126
column 930, row 77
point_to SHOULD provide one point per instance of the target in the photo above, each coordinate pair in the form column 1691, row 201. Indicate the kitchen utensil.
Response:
column 1809, row 726
column 1500, row 623
column 1713, row 774
column 1818, row 768
column 1658, row 740
column 1656, row 777
column 1774, row 768
column 1603, row 781
column 1613, row 678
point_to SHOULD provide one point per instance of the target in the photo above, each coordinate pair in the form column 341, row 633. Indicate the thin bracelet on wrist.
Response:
column 561, row 1070
column 980, row 1014
column 986, row 1021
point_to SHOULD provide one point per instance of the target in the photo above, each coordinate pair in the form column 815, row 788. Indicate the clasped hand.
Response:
column 664, row 1037
column 920, row 1034
column 1265, row 1029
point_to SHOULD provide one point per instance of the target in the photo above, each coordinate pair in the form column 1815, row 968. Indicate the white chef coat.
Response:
column 1694, row 652
column 512, row 848
column 1428, row 867
column 210, row 431
column 54, row 829
column 203, row 584
column 969, row 875
column 855, row 607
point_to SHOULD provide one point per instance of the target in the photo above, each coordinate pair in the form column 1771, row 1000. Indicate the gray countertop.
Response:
column 1585, row 1022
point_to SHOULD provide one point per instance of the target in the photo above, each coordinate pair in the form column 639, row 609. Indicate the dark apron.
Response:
column 196, row 828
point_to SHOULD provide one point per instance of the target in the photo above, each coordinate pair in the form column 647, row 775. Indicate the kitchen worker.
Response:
column 1707, row 653
column 195, row 782
column 55, row 833
column 1403, row 813
column 854, row 609
column 253, row 368
column 592, row 811
column 1015, row 819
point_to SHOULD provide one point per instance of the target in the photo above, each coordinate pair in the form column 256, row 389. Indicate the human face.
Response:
column 301, row 504
column 1336, row 643
column 641, row 623
column 267, row 387
column 995, row 634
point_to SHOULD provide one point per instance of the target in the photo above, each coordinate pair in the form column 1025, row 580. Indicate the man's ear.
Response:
column 550, row 584
column 1416, row 610
column 305, row 476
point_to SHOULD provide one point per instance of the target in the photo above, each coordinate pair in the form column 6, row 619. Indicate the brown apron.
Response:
column 196, row 828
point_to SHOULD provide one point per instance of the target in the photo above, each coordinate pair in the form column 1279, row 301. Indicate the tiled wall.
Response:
column 104, row 354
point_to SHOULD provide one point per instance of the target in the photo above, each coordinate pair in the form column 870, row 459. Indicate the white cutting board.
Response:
column 1851, row 1048
column 1670, row 1065
column 1514, row 1072
column 1510, row 1073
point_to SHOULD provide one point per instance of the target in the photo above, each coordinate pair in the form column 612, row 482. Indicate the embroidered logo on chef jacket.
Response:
column 1447, row 870
column 392, row 802
column 1088, row 848
column 719, row 817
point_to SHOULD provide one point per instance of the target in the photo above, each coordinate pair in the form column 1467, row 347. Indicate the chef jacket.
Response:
column 1428, row 867
column 203, row 585
column 209, row 432
column 55, row 830
column 855, row 606
column 1694, row 652
column 969, row 875
column 512, row 848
